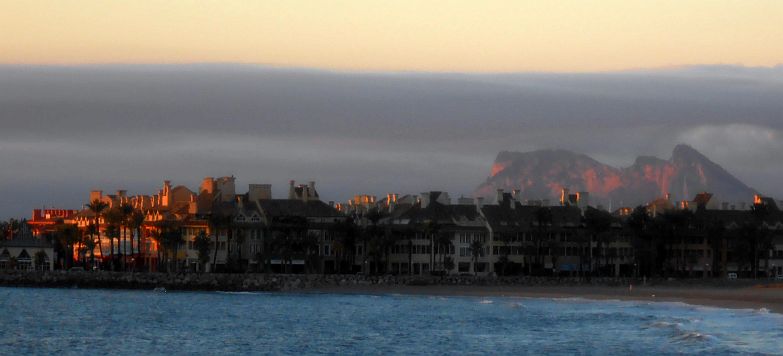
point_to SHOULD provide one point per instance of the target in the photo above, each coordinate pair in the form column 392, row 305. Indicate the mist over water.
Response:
column 144, row 322
column 66, row 130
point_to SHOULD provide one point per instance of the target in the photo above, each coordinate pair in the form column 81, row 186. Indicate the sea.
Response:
column 121, row 322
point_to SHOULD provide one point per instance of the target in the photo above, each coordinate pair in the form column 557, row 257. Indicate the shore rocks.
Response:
column 298, row 282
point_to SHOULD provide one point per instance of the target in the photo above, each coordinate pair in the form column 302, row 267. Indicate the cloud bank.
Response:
column 66, row 130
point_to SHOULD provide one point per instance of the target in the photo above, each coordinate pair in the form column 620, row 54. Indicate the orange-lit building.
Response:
column 45, row 220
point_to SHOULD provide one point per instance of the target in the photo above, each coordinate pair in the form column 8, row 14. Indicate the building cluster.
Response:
column 217, row 229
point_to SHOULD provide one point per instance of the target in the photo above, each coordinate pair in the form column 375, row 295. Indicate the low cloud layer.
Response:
column 66, row 130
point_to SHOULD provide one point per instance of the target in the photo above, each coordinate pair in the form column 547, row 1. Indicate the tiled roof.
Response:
column 293, row 207
column 31, row 242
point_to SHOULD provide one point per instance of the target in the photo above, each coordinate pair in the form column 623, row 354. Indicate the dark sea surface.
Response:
column 100, row 322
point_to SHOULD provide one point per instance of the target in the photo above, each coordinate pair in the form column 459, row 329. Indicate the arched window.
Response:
column 23, row 261
column 5, row 257
column 41, row 260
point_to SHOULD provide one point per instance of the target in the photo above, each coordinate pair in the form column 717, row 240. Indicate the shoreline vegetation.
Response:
column 736, row 294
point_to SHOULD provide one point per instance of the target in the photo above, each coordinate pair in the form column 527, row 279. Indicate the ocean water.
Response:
column 99, row 322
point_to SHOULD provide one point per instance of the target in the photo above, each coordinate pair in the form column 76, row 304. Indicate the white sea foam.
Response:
column 665, row 324
column 485, row 301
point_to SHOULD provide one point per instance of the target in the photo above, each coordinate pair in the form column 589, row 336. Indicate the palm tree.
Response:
column 127, row 212
column 543, row 220
column 432, row 230
column 136, row 222
column 112, row 232
column 283, row 247
column 67, row 235
column 597, row 223
column 309, row 246
column 505, row 239
column 370, row 233
column 114, row 218
column 98, row 207
column 716, row 239
column 759, row 213
column 170, row 239
column 444, row 248
column 639, row 223
column 217, row 221
column 345, row 242
column 89, row 245
column 476, row 251
column 239, row 239
column 202, row 245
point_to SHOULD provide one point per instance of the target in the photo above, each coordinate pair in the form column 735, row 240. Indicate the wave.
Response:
column 692, row 336
column 485, row 301
column 665, row 324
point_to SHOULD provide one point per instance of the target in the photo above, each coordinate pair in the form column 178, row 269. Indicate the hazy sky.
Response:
column 455, row 35
column 66, row 130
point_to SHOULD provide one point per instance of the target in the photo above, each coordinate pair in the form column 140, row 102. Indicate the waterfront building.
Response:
column 421, row 234
column 26, row 252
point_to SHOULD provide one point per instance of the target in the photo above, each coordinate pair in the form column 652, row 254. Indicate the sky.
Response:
column 374, row 97
column 401, row 35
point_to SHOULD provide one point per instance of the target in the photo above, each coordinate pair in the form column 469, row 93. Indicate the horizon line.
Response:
column 271, row 66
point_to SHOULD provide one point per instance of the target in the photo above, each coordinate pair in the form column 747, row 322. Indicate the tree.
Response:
column 345, row 233
column 39, row 259
column 170, row 239
column 127, row 212
column 639, row 223
column 476, row 251
column 97, row 207
column 370, row 233
column 444, row 244
column 674, row 225
column 432, row 230
column 202, row 245
column 114, row 218
column 716, row 239
column 759, row 235
column 309, row 246
column 217, row 221
column 543, row 222
column 240, row 240
column 136, row 222
column 448, row 263
column 67, row 236
column 597, row 223
column 89, row 245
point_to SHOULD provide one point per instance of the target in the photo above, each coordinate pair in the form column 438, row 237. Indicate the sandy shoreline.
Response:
column 734, row 298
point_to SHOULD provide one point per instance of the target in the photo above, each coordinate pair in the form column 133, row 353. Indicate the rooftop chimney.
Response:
column 291, row 191
column 499, row 196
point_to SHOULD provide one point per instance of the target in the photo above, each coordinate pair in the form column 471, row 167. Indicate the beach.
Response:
column 769, row 297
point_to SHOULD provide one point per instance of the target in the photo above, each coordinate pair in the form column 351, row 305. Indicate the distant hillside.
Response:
column 542, row 174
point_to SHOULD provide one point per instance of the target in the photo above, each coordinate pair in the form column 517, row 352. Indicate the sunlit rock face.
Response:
column 543, row 174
